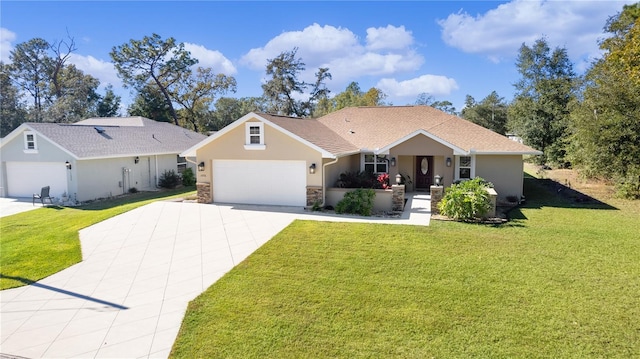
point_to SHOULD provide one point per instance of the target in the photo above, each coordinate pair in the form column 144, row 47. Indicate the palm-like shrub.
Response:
column 466, row 200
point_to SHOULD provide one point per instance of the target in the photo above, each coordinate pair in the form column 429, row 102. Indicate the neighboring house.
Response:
column 268, row 159
column 90, row 159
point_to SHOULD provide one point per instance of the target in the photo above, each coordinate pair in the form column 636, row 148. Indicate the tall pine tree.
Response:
column 540, row 113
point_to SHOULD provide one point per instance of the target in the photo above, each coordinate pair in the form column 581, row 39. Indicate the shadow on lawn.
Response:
column 62, row 291
column 550, row 193
column 129, row 198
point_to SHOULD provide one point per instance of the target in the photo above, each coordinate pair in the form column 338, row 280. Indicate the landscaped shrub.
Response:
column 188, row 179
column 359, row 202
column 357, row 180
column 466, row 200
column 169, row 179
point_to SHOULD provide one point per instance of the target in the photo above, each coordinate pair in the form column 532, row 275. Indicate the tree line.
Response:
column 591, row 122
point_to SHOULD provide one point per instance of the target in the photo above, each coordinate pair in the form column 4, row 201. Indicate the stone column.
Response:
column 493, row 196
column 204, row 192
column 314, row 194
column 437, row 192
column 397, row 198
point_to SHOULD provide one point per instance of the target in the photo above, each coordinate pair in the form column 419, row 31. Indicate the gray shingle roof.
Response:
column 120, row 137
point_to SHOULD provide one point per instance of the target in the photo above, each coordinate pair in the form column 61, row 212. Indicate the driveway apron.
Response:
column 128, row 296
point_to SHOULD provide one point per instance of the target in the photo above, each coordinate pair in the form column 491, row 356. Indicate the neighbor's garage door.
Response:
column 26, row 178
column 280, row 183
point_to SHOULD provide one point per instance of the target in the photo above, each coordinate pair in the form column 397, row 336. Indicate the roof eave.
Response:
column 533, row 153
column 130, row 155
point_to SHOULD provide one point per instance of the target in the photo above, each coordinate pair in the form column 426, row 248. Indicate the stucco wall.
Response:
column 13, row 151
column 103, row 178
column 504, row 171
column 345, row 164
column 46, row 151
column 279, row 146
column 422, row 145
column 381, row 202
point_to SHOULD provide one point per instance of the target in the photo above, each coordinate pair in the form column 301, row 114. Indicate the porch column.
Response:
column 437, row 193
column 204, row 192
column 314, row 194
column 397, row 198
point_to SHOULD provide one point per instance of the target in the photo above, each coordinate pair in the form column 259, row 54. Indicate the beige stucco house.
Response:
column 94, row 158
column 277, row 160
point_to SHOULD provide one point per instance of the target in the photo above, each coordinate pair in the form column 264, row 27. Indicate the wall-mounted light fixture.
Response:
column 438, row 179
column 68, row 165
column 136, row 160
column 398, row 178
column 312, row 168
column 201, row 166
column 393, row 161
column 448, row 161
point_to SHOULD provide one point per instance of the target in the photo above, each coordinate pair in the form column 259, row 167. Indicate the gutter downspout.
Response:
column 324, row 174
column 188, row 160
column 156, row 180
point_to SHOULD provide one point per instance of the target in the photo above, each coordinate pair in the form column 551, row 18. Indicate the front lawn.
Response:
column 38, row 243
column 562, row 280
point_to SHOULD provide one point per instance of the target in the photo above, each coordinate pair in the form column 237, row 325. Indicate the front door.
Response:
column 423, row 172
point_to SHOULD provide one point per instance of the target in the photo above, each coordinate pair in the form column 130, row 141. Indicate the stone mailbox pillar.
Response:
column 437, row 192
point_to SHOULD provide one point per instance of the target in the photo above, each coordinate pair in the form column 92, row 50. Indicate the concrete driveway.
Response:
column 128, row 296
column 9, row 206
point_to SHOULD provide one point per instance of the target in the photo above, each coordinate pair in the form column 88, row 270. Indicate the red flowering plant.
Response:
column 383, row 180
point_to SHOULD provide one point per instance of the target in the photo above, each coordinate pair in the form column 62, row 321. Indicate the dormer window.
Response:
column 254, row 136
column 30, row 144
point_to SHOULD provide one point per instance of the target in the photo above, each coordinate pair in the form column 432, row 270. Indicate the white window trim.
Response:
column 457, row 168
column 247, row 141
column 35, row 142
column 375, row 164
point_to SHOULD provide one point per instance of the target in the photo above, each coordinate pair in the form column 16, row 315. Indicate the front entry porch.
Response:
column 417, row 210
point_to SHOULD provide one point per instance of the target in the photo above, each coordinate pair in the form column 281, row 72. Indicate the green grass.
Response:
column 561, row 280
column 41, row 242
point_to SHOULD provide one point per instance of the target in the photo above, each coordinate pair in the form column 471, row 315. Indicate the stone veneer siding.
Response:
column 397, row 198
column 204, row 192
column 437, row 192
column 314, row 194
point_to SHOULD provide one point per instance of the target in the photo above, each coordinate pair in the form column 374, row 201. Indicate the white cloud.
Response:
column 211, row 58
column 6, row 38
column 499, row 33
column 432, row 84
column 316, row 45
column 388, row 38
column 386, row 51
column 102, row 70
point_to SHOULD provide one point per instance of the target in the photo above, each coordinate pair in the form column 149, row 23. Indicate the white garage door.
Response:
column 281, row 183
column 26, row 178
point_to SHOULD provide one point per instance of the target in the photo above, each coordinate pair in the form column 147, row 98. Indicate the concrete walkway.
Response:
column 128, row 296
column 9, row 206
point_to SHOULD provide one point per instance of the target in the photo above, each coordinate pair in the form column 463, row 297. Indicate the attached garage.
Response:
column 281, row 183
column 26, row 178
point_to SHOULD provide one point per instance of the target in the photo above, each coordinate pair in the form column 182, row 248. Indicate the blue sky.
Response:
column 445, row 48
